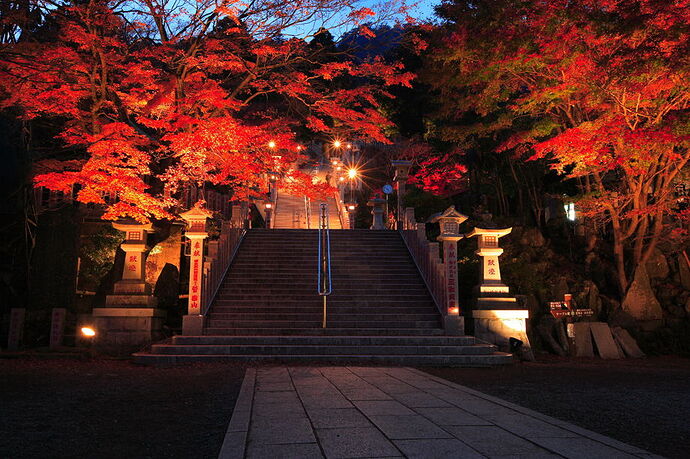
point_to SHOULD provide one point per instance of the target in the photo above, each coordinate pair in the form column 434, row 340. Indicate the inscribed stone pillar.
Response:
column 57, row 327
column 449, row 223
column 193, row 321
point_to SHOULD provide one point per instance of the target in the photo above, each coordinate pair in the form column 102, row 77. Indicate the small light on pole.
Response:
column 337, row 143
column 271, row 144
column 352, row 173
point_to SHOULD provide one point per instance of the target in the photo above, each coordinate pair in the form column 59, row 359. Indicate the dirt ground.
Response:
column 645, row 402
column 114, row 409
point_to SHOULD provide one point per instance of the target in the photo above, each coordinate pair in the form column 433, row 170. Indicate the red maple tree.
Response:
column 155, row 97
column 599, row 88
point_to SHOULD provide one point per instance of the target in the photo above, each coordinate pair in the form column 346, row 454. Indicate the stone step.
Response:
column 316, row 315
column 330, row 331
column 491, row 360
column 294, row 349
column 336, row 296
column 316, row 308
column 332, row 301
column 323, row 340
column 341, row 288
column 405, row 279
column 277, row 323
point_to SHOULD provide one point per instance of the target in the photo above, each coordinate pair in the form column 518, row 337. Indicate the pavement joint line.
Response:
column 580, row 431
column 357, row 408
column 235, row 440
column 354, row 379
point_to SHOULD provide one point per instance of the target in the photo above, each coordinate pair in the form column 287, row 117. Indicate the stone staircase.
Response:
column 380, row 310
column 291, row 213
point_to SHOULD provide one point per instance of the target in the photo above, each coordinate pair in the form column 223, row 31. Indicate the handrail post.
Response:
column 324, row 286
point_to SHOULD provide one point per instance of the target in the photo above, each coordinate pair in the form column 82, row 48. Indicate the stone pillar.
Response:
column 497, row 316
column 193, row 321
column 402, row 169
column 57, row 327
column 377, row 212
column 130, row 318
column 16, row 331
column 449, row 222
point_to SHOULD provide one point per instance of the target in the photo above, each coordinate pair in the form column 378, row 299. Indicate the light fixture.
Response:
column 351, row 207
column 342, row 179
column 271, row 144
column 268, row 205
column 337, row 143
column 88, row 332
column 454, row 310
column 352, row 173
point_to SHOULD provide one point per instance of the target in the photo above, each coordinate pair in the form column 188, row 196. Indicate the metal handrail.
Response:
column 230, row 241
column 324, row 281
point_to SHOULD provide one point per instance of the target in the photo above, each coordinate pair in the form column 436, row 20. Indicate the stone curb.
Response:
column 624, row 447
column 235, row 441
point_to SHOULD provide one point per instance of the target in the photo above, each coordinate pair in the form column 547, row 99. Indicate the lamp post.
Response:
column 351, row 208
column 402, row 169
column 268, row 206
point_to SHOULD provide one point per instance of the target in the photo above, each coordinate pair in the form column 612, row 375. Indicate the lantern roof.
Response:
column 450, row 214
column 196, row 213
column 498, row 232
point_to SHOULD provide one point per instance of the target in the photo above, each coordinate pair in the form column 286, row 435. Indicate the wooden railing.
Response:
column 427, row 258
column 220, row 254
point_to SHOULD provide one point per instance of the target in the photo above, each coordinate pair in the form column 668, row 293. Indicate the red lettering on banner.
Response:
column 197, row 244
column 195, row 289
column 132, row 267
column 197, row 253
column 492, row 271
column 132, row 258
column 491, row 262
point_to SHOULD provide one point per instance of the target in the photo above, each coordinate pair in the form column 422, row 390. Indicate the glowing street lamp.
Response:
column 337, row 143
column 352, row 173
column 271, row 144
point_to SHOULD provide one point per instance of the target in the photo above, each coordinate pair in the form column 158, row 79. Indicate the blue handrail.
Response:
column 324, row 284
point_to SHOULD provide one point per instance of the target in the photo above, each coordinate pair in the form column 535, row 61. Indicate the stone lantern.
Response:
column 376, row 203
column 193, row 321
column 449, row 222
column 129, row 318
column 497, row 316
column 402, row 171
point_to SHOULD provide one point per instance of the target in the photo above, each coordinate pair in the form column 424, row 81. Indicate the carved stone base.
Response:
column 123, row 330
column 498, row 326
column 454, row 325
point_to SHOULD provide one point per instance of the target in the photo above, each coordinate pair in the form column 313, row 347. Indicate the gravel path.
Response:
column 114, row 409
column 642, row 402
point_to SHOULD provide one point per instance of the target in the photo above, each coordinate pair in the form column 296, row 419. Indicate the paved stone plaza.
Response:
column 349, row 412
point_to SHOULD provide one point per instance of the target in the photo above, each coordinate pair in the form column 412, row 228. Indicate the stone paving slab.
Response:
column 376, row 412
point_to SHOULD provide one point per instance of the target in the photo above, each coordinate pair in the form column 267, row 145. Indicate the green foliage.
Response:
column 97, row 254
